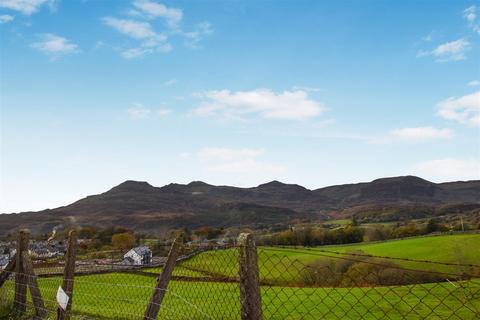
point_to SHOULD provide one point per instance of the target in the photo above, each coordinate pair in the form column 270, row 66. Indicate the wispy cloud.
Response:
column 421, row 133
column 264, row 103
column 194, row 37
column 26, row 7
column 413, row 135
column 154, row 10
column 4, row 18
column 449, row 51
column 244, row 161
column 448, row 169
column 138, row 112
column 465, row 110
column 131, row 28
column 470, row 14
column 149, row 40
column 170, row 82
column 139, row 27
column 54, row 46
column 429, row 37
column 473, row 83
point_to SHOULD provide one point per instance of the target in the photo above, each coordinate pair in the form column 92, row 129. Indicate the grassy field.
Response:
column 121, row 296
column 286, row 263
column 125, row 296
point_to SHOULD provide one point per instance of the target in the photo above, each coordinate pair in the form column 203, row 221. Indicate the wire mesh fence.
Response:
column 307, row 284
column 295, row 283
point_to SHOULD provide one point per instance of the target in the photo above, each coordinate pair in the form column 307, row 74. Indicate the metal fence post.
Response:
column 68, row 274
column 21, row 280
column 250, row 297
column 162, row 282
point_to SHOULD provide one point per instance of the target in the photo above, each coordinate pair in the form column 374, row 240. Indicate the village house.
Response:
column 138, row 256
column 44, row 249
column 4, row 259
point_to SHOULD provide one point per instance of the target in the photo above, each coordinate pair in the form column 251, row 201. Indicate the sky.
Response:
column 317, row 93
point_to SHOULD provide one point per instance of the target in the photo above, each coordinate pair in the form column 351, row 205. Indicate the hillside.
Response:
column 142, row 206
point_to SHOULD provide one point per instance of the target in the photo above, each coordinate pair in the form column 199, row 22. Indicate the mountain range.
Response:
column 143, row 207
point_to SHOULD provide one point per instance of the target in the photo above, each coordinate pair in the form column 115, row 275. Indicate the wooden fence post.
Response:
column 37, row 299
column 68, row 274
column 162, row 282
column 250, row 298
column 21, row 280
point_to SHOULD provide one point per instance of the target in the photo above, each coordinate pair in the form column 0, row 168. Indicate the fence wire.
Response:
column 294, row 284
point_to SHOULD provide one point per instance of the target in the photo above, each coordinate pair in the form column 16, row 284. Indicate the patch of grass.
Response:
column 123, row 296
column 338, row 222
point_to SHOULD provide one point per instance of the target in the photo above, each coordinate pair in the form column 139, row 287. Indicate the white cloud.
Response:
column 138, row 112
column 421, row 133
column 54, row 46
column 470, row 14
column 429, row 37
column 131, row 28
column 237, row 161
column 170, row 82
column 149, row 40
column 153, row 10
column 448, row 169
column 464, row 110
column 292, row 105
column 449, row 51
column 134, row 53
column 4, row 18
column 412, row 135
column 473, row 83
column 26, row 7
column 201, row 30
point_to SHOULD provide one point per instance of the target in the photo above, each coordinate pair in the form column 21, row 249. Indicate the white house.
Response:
column 138, row 256
column 4, row 259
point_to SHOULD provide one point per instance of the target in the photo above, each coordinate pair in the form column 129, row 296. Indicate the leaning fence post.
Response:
column 250, row 298
column 37, row 299
column 162, row 282
column 21, row 280
column 68, row 274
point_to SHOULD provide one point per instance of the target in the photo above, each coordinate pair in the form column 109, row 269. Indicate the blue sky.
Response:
column 233, row 92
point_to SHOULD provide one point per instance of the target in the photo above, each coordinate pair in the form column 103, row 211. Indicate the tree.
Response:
column 123, row 241
column 87, row 233
column 432, row 226
column 355, row 222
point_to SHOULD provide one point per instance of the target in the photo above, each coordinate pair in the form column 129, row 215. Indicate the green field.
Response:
column 125, row 296
column 286, row 263
column 98, row 297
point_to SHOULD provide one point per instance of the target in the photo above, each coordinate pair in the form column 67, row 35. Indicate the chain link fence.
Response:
column 294, row 283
